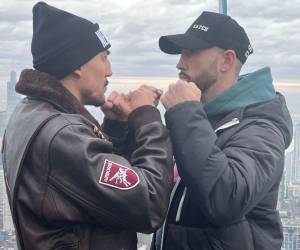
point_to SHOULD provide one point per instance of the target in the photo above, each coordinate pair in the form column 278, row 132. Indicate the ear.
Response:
column 77, row 73
column 228, row 60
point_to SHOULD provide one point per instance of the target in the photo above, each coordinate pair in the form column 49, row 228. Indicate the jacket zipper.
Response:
column 98, row 133
column 229, row 124
column 179, row 210
column 171, row 200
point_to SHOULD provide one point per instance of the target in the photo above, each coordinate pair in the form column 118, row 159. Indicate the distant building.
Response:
column 3, row 121
column 291, row 234
column 296, row 165
column 289, row 165
column 9, row 100
column 12, row 96
column 294, row 190
column 2, row 193
column 282, row 192
column 2, row 97
column 2, row 108
column 8, row 225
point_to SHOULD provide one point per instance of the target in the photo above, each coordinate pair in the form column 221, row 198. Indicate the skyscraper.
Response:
column 2, row 193
column 2, row 108
column 296, row 160
column 291, row 237
column 12, row 96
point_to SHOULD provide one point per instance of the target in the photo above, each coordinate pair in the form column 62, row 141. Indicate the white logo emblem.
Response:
column 102, row 38
column 249, row 50
column 200, row 27
column 118, row 176
column 121, row 177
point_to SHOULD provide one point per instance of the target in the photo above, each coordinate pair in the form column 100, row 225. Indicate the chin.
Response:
column 96, row 102
column 99, row 103
column 184, row 79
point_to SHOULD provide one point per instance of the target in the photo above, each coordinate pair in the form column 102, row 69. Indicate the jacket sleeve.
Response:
column 108, row 189
column 230, row 181
column 119, row 134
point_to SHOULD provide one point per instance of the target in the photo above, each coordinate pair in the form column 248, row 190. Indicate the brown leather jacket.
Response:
column 68, row 188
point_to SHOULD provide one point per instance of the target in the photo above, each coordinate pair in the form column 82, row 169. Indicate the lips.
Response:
column 185, row 77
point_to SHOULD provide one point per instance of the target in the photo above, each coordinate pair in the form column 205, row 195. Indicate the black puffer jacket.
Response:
column 68, row 187
column 226, row 198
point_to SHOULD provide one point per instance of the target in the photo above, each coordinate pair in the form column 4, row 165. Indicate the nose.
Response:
column 180, row 65
column 108, row 69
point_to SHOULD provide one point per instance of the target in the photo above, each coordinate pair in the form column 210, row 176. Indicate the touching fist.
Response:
column 112, row 108
column 118, row 106
column 179, row 92
column 144, row 95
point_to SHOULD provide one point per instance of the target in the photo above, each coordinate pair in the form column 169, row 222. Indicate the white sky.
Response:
column 134, row 27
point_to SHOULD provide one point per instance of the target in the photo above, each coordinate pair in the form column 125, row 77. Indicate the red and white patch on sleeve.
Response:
column 118, row 176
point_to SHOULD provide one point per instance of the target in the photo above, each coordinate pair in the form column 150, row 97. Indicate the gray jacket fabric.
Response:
column 230, row 175
column 70, row 186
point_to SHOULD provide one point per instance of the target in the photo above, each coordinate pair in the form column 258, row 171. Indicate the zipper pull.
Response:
column 98, row 133
column 229, row 124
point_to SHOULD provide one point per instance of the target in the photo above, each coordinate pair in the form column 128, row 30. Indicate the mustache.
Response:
column 183, row 74
column 106, row 82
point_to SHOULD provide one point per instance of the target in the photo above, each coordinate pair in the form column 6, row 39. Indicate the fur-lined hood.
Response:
column 40, row 85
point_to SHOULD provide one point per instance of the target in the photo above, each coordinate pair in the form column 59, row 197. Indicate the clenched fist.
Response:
column 119, row 106
column 111, row 108
column 179, row 92
column 144, row 95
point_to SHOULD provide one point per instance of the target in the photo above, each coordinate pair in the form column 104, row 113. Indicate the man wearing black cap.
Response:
column 229, row 133
column 72, row 184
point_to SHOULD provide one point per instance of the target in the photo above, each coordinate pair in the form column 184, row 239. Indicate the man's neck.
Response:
column 71, row 87
column 217, row 88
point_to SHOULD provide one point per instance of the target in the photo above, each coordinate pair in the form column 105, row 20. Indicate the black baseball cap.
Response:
column 210, row 30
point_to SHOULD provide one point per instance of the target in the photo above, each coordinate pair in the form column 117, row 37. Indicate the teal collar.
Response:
column 249, row 89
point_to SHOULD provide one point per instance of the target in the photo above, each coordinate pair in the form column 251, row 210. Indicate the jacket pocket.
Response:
column 190, row 238
column 202, row 237
column 235, row 236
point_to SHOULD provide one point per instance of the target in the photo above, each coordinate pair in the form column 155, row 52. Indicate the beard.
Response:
column 95, row 101
column 203, row 81
column 98, row 100
column 204, row 78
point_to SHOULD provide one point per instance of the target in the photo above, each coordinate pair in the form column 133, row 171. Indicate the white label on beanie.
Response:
column 102, row 38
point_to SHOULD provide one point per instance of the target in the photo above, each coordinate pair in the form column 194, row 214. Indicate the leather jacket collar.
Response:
column 40, row 85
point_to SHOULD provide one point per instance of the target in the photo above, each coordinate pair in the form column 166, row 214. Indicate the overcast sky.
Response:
column 134, row 27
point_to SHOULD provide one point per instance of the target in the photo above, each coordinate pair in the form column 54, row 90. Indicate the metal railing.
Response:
column 223, row 6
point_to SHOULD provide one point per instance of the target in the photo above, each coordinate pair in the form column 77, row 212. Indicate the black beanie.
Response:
column 62, row 42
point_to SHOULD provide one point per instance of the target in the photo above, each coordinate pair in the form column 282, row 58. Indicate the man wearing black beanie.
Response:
column 71, row 183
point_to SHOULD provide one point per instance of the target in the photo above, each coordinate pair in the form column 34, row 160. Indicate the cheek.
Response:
column 195, row 70
column 97, row 76
column 101, row 71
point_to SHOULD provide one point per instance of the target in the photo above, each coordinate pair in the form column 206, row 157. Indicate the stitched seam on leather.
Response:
column 48, row 171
